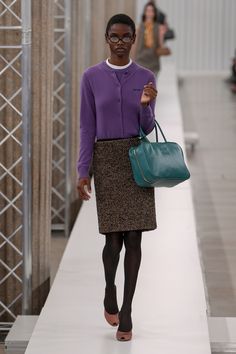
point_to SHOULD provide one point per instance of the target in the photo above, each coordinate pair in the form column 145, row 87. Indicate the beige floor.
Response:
column 209, row 108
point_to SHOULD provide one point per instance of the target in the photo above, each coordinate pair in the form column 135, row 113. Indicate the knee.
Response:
column 115, row 248
column 114, row 245
column 132, row 240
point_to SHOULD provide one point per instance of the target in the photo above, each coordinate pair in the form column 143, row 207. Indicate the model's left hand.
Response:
column 149, row 93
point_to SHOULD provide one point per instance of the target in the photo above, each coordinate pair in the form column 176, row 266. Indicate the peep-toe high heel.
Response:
column 123, row 335
column 112, row 319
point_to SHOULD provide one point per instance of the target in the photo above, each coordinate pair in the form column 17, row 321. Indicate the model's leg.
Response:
column 132, row 241
column 111, row 256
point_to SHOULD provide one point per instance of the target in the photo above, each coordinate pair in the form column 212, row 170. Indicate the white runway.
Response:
column 169, row 307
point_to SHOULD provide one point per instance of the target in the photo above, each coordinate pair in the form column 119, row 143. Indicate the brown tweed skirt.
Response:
column 121, row 204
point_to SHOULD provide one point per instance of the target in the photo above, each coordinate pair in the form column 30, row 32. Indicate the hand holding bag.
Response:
column 157, row 164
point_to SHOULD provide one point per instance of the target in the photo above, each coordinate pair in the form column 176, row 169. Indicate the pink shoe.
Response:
column 112, row 319
column 123, row 336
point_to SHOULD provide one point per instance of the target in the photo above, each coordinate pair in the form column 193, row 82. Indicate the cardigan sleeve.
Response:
column 87, row 127
column 147, row 113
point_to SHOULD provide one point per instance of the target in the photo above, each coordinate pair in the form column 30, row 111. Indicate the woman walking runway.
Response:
column 117, row 96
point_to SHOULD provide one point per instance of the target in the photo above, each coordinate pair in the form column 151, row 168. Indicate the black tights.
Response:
column 111, row 256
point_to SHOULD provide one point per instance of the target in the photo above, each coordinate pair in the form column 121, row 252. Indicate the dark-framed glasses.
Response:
column 115, row 39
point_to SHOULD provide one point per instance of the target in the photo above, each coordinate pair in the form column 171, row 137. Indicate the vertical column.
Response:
column 42, row 111
column 11, row 137
column 80, row 57
column 68, row 125
column 61, row 185
column 26, row 152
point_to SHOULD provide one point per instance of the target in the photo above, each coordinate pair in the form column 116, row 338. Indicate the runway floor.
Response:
column 209, row 108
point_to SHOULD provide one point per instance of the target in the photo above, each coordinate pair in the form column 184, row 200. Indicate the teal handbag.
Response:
column 157, row 164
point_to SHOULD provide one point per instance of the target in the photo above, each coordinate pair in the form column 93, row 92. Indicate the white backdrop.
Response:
column 205, row 29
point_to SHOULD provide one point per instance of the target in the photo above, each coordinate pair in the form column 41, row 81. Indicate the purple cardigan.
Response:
column 110, row 108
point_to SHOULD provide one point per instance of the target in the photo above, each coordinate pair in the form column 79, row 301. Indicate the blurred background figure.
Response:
column 150, row 39
column 233, row 77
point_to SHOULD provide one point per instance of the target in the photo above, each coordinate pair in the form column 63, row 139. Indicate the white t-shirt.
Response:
column 119, row 66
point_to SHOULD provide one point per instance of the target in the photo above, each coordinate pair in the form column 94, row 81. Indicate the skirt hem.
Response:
column 146, row 229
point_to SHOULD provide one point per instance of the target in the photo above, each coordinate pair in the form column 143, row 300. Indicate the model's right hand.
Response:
column 83, row 184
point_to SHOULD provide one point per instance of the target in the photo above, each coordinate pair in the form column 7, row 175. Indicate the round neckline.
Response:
column 119, row 67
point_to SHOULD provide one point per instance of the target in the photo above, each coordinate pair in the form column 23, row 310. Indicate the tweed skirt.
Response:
column 121, row 204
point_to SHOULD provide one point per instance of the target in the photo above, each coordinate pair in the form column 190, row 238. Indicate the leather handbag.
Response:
column 170, row 34
column 157, row 164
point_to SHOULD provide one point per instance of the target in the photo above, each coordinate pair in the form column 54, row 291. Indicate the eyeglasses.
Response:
column 125, row 39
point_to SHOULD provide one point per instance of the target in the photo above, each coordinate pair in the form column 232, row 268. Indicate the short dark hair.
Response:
column 121, row 18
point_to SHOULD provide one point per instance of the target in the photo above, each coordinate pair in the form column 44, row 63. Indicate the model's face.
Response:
column 117, row 32
column 149, row 13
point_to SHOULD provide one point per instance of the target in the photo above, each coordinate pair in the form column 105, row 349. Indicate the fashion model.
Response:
column 150, row 38
column 117, row 96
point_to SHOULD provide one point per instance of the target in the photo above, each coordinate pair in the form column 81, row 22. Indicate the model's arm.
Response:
column 87, row 127
column 87, row 137
column 147, row 106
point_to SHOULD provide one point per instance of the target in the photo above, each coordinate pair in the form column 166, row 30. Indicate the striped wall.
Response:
column 206, row 32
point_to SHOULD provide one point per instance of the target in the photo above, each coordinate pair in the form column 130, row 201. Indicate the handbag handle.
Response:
column 143, row 135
